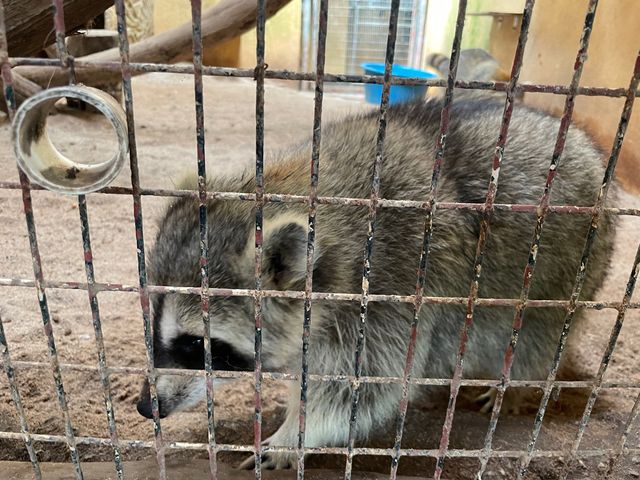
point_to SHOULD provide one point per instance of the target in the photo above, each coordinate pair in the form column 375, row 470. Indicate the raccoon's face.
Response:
column 178, row 323
column 179, row 343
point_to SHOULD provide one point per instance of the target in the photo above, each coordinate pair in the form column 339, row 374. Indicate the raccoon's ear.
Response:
column 284, row 251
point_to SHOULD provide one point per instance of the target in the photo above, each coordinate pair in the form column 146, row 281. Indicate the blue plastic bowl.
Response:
column 398, row 93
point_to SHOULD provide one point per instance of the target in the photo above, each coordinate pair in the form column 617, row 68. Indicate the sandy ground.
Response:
column 165, row 129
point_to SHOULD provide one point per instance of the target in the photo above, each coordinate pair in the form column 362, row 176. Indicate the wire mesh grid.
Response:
column 429, row 206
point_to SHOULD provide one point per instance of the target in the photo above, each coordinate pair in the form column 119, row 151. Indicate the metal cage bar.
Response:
column 299, row 295
column 372, row 217
column 39, row 277
column 622, row 442
column 67, row 60
column 428, row 231
column 353, row 202
column 485, row 221
column 137, row 218
column 581, row 273
column 142, row 67
column 196, row 20
column 311, row 232
column 224, row 374
column 261, row 66
column 97, row 328
column 409, row 452
column 604, row 363
column 9, row 98
column 17, row 400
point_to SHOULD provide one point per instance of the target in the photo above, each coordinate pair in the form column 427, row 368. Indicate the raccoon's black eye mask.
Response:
column 188, row 352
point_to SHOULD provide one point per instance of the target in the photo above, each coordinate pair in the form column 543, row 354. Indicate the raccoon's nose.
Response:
column 144, row 403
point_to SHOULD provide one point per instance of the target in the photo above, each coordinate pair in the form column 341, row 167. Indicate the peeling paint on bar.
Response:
column 311, row 234
column 196, row 21
column 622, row 441
column 97, row 327
column 321, row 296
column 485, row 221
column 368, row 249
column 278, row 376
column 355, row 202
column 409, row 452
column 590, row 239
column 9, row 97
column 606, row 358
column 426, row 239
column 259, row 74
column 141, row 67
column 137, row 217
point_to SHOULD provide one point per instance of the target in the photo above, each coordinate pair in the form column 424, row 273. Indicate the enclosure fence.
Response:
column 428, row 206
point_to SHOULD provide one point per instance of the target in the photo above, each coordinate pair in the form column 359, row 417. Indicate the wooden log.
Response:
column 29, row 23
column 23, row 87
column 226, row 20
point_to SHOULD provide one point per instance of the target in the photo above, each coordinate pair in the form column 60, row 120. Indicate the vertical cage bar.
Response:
column 622, row 442
column 259, row 78
column 606, row 358
column 590, row 239
column 196, row 15
column 137, row 217
column 9, row 98
column 515, row 73
column 485, row 222
column 427, row 234
column 67, row 61
column 368, row 250
column 311, row 233
column 17, row 401
column 97, row 328
column 61, row 45
column 58, row 23
column 37, row 268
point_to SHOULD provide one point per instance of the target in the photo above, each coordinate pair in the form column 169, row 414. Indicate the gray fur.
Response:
column 347, row 153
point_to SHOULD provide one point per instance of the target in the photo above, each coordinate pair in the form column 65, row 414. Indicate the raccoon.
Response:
column 348, row 149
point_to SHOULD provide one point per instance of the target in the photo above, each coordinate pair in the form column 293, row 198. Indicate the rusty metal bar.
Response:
column 17, row 401
column 541, row 216
column 372, row 220
column 427, row 234
column 279, row 376
column 141, row 67
column 67, row 61
column 604, row 363
column 355, row 202
column 622, row 442
column 485, row 221
column 97, row 328
column 196, row 22
column 322, row 296
column 70, row 440
column 137, row 217
column 311, row 232
column 409, row 452
column 581, row 273
column 259, row 221
column 9, row 97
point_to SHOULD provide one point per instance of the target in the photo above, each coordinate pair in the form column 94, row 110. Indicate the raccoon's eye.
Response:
column 188, row 343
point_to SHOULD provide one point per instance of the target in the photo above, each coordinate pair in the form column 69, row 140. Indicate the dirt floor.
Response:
column 165, row 129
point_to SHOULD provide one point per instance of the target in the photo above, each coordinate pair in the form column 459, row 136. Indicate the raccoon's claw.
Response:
column 487, row 400
column 511, row 403
column 269, row 461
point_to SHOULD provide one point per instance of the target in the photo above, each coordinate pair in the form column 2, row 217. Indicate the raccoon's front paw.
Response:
column 271, row 461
